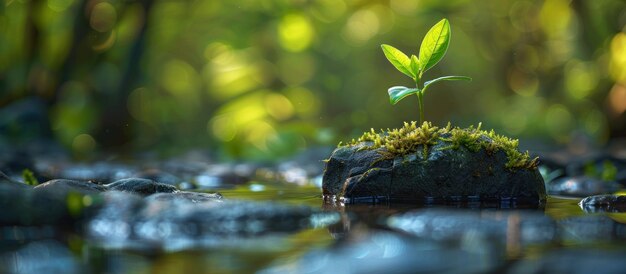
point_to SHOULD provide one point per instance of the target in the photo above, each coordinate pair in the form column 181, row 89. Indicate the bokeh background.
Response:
column 268, row 78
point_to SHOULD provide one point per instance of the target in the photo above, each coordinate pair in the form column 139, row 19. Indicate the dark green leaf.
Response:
column 398, row 93
column 445, row 78
column 434, row 45
column 398, row 59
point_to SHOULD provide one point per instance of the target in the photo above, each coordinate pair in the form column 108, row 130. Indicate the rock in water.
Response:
column 603, row 203
column 431, row 164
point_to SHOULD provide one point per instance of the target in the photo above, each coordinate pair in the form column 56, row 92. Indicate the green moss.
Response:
column 411, row 138
column 29, row 177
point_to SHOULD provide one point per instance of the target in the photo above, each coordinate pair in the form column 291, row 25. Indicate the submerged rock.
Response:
column 141, row 186
column 603, row 203
column 430, row 164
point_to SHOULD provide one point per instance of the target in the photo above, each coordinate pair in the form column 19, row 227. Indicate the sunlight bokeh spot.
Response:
column 305, row 103
column 617, row 99
column 361, row 26
column 404, row 7
column 617, row 65
column 180, row 78
column 559, row 122
column 328, row 10
column 580, row 79
column 278, row 106
column 555, row 17
column 103, row 17
column 59, row 5
column 295, row 32
column 83, row 143
column 525, row 84
column 222, row 127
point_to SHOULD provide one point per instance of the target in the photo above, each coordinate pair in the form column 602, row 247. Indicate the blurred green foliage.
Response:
column 270, row 77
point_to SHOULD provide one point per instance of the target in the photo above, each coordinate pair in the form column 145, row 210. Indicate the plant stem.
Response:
column 420, row 101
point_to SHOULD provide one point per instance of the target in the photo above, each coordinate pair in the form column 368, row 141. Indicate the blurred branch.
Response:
column 113, row 128
column 79, row 34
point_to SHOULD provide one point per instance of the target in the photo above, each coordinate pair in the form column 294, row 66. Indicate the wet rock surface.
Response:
column 63, row 187
column 603, row 203
column 443, row 175
column 140, row 186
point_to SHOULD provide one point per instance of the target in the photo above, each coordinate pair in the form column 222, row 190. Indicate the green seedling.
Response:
column 432, row 50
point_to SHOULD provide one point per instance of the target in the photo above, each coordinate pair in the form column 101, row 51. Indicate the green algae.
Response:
column 411, row 138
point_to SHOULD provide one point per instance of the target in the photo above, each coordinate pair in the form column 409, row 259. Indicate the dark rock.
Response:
column 576, row 261
column 580, row 186
column 140, row 186
column 445, row 175
column 496, row 226
column 603, row 203
column 59, row 203
column 63, row 186
column 385, row 252
column 4, row 179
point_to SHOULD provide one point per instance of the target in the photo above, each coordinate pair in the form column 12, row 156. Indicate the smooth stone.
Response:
column 603, row 203
column 445, row 175
column 140, row 186
column 63, row 186
column 580, row 186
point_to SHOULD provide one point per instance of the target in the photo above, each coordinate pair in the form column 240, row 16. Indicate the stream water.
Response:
column 267, row 225
column 365, row 239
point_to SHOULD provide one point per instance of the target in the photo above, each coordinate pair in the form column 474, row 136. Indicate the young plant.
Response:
column 432, row 50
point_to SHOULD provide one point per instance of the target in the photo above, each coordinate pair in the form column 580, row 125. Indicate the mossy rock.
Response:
column 432, row 165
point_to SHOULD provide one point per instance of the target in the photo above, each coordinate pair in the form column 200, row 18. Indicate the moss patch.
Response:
column 411, row 138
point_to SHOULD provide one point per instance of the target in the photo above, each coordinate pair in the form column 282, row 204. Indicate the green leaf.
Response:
column 398, row 59
column 434, row 45
column 445, row 78
column 398, row 93
column 415, row 65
